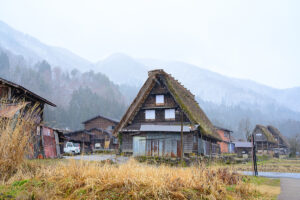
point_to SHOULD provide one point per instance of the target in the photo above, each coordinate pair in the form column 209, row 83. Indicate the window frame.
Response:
column 157, row 98
column 149, row 111
column 169, row 114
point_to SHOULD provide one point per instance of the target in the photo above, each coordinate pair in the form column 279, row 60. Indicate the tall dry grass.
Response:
column 132, row 180
column 15, row 137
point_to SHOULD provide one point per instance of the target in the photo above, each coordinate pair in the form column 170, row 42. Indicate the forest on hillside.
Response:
column 82, row 95
column 78, row 96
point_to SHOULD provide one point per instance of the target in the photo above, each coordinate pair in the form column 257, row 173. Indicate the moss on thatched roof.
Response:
column 276, row 133
column 265, row 131
column 190, row 106
column 182, row 96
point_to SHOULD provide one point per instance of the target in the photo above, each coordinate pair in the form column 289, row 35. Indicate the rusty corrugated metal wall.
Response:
column 49, row 143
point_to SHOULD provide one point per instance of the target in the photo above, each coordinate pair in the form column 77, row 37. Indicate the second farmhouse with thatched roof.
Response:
column 163, row 109
column 268, row 139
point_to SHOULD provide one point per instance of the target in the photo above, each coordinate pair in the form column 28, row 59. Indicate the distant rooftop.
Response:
column 101, row 116
column 242, row 144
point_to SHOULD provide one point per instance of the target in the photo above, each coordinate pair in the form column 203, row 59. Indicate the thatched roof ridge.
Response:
column 184, row 98
column 264, row 131
column 275, row 132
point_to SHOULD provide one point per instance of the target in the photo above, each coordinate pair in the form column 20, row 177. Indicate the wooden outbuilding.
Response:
column 243, row 149
column 102, row 128
column 162, row 110
column 15, row 98
column 96, row 135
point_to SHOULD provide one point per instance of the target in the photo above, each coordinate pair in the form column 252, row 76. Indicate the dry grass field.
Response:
column 53, row 179
column 69, row 179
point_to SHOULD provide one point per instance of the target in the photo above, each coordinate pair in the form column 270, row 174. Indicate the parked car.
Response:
column 72, row 148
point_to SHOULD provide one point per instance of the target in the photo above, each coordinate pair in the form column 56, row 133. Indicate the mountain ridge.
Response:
column 33, row 50
column 210, row 86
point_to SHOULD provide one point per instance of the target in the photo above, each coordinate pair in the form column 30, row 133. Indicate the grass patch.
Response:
column 264, row 181
column 267, row 186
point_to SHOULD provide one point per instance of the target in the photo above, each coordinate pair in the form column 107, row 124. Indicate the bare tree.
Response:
column 245, row 127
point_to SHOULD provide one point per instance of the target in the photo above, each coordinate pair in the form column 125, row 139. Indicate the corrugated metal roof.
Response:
column 242, row 144
column 164, row 128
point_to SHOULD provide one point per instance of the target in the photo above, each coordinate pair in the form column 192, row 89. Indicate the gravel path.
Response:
column 99, row 157
column 290, row 189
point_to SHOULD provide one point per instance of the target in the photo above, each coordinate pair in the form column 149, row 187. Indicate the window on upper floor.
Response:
column 258, row 134
column 150, row 114
column 170, row 114
column 159, row 99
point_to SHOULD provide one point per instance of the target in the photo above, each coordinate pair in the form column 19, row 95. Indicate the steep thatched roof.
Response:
column 182, row 96
column 265, row 131
column 276, row 133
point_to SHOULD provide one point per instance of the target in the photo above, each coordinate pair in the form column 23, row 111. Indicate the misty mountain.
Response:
column 226, row 100
column 122, row 69
column 207, row 85
column 33, row 51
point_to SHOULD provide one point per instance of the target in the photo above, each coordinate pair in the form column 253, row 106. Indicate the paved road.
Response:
column 290, row 189
column 99, row 157
column 274, row 174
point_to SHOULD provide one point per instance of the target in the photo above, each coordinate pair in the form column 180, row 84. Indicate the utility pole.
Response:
column 254, row 161
column 181, row 136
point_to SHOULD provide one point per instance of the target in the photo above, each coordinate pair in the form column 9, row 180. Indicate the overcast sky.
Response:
column 257, row 40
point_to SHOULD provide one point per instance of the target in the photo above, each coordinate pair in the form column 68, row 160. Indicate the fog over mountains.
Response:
column 207, row 85
column 33, row 50
column 226, row 100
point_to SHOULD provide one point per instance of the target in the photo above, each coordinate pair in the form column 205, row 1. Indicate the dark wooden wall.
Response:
column 127, row 143
column 150, row 104
column 99, row 122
